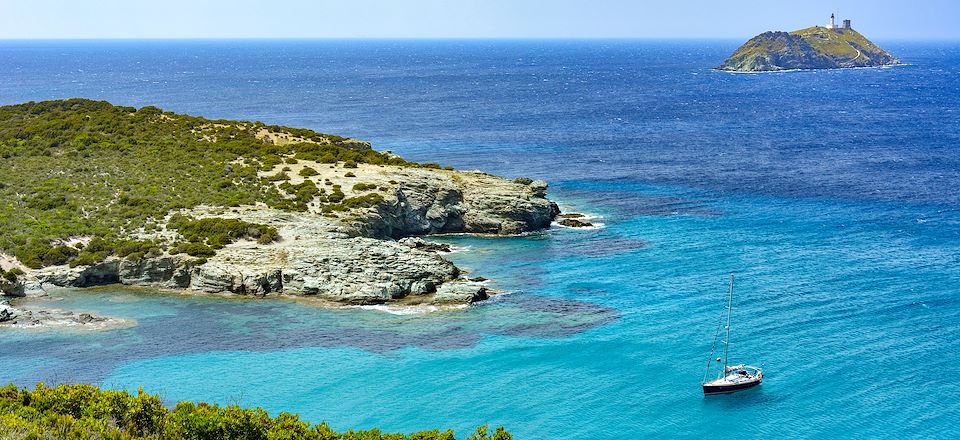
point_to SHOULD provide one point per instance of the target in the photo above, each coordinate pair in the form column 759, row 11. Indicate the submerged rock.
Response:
column 16, row 317
column 419, row 243
column 573, row 223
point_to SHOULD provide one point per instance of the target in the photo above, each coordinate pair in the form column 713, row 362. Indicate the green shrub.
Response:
column 277, row 177
column 349, row 174
column 270, row 160
column 336, row 196
column 307, row 172
column 87, row 412
column 12, row 274
column 194, row 249
column 206, row 235
column 364, row 186
column 350, row 164
column 364, row 201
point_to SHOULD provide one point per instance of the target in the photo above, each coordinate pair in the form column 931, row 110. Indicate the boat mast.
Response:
column 726, row 344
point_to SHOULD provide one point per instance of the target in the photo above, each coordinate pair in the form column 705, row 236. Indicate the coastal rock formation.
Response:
column 430, row 202
column 460, row 293
column 419, row 243
column 236, row 207
column 14, row 316
column 354, row 258
column 811, row 48
column 574, row 223
column 11, row 288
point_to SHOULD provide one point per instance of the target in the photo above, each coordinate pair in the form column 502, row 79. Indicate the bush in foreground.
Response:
column 87, row 412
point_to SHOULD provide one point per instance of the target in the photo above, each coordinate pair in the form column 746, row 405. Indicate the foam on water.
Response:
column 406, row 310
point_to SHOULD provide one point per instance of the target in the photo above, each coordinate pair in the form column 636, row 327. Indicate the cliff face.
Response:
column 351, row 258
column 811, row 48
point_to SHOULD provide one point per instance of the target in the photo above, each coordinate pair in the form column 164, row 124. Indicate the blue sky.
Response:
column 878, row 19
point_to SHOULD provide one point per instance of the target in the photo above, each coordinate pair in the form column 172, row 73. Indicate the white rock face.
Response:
column 429, row 201
column 352, row 258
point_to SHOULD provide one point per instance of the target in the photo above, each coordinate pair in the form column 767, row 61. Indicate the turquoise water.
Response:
column 603, row 334
column 839, row 217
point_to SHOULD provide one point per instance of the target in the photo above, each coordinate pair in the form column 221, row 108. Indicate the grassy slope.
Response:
column 86, row 168
column 816, row 47
column 833, row 43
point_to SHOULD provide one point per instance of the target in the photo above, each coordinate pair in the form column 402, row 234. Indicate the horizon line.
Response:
column 546, row 38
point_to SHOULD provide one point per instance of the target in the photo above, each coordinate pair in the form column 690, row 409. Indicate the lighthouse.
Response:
column 833, row 22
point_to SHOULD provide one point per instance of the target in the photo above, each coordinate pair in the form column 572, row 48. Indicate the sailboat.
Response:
column 732, row 378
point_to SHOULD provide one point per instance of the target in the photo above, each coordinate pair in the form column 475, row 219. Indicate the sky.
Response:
column 83, row 19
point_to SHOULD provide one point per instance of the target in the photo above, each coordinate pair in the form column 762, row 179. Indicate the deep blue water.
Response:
column 833, row 195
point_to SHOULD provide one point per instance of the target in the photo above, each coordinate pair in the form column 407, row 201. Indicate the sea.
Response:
column 832, row 196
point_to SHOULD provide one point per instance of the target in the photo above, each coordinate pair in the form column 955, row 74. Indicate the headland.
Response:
column 97, row 194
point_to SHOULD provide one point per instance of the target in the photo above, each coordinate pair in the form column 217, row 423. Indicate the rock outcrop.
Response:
column 13, row 316
column 432, row 202
column 812, row 48
column 370, row 255
column 11, row 288
column 574, row 223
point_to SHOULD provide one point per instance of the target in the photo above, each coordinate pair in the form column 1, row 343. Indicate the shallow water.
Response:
column 832, row 195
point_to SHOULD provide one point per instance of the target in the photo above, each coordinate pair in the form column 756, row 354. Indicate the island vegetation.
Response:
column 79, row 168
column 816, row 47
column 87, row 412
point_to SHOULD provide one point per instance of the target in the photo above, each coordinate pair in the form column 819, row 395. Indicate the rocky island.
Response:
column 817, row 47
column 93, row 194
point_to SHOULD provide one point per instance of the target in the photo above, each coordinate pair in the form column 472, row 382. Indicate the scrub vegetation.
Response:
column 87, row 412
column 80, row 168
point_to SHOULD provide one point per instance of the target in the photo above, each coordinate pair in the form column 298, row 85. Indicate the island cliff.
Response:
column 816, row 47
column 236, row 207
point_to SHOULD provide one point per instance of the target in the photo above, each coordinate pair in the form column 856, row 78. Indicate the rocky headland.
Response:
column 815, row 47
column 371, row 255
column 94, row 194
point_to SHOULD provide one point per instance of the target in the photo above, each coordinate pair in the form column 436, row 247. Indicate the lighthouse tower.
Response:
column 833, row 22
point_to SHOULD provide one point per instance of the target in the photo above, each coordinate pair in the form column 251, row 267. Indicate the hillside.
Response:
column 92, row 193
column 811, row 48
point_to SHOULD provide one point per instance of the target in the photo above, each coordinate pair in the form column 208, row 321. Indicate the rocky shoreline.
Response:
column 366, row 256
column 35, row 318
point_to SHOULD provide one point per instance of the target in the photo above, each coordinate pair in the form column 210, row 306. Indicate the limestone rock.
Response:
column 15, row 316
column 351, row 258
column 11, row 288
column 419, row 243
column 105, row 272
column 460, row 292
column 574, row 223
column 166, row 271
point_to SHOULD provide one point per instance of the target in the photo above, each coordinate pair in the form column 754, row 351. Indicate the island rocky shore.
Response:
column 369, row 256
column 816, row 47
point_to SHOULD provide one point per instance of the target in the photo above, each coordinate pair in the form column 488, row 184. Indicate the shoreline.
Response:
column 745, row 72
column 52, row 318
